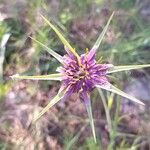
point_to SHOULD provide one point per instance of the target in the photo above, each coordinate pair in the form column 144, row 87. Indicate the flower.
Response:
column 84, row 76
column 81, row 74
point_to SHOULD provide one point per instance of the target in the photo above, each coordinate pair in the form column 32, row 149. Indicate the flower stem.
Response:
column 106, row 110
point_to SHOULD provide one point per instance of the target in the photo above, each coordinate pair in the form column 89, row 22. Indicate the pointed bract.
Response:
column 127, row 68
column 55, row 100
column 115, row 90
column 64, row 41
column 57, row 77
column 50, row 51
column 101, row 36
column 86, row 99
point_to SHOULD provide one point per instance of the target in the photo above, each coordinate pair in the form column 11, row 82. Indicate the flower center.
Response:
column 84, row 76
column 82, row 73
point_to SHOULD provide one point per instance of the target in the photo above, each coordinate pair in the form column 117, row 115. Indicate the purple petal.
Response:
column 85, row 98
column 71, row 55
column 67, row 95
column 91, row 55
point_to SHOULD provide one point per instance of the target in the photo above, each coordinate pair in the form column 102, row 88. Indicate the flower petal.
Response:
column 68, row 93
column 56, row 99
column 57, row 77
column 101, row 36
column 86, row 99
column 92, row 54
column 71, row 55
column 115, row 90
column 126, row 68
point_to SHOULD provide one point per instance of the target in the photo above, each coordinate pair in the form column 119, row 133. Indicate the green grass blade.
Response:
column 57, row 77
column 121, row 93
column 64, row 41
column 101, row 36
column 56, row 99
column 89, row 111
column 126, row 68
column 50, row 51
column 71, row 142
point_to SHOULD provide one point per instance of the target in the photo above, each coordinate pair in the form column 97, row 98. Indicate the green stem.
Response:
column 106, row 110
column 115, row 123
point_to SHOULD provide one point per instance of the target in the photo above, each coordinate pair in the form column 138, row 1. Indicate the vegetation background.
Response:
column 66, row 125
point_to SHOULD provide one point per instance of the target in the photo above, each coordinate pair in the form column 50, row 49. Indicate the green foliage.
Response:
column 3, row 146
column 66, row 16
column 82, row 3
column 126, row 4
column 70, row 140
column 3, row 29
column 4, row 88
column 133, row 49
column 91, row 145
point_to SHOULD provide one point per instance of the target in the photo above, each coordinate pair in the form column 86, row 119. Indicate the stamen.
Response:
column 81, row 77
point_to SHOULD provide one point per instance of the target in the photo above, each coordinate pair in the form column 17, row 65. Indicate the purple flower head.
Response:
column 84, row 74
